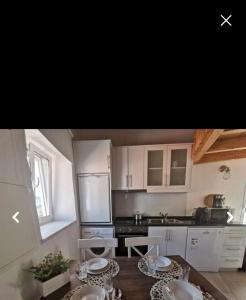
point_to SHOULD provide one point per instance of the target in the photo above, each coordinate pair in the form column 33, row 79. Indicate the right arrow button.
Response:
column 230, row 217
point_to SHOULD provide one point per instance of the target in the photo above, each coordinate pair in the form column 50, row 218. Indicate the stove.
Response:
column 125, row 228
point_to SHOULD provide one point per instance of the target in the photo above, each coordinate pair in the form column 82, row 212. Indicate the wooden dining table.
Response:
column 135, row 285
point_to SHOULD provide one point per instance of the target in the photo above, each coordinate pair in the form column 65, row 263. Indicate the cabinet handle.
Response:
column 166, row 183
column 127, row 180
column 231, row 260
column 131, row 180
column 206, row 232
column 231, row 249
column 170, row 235
column 108, row 159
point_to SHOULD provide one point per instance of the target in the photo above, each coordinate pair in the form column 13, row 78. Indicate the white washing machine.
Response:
column 97, row 233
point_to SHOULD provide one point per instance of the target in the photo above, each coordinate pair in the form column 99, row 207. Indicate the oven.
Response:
column 122, row 232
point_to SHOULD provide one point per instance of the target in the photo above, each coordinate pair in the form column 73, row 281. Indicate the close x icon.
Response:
column 224, row 20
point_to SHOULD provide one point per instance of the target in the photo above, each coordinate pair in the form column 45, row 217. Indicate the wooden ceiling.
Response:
column 128, row 137
column 218, row 144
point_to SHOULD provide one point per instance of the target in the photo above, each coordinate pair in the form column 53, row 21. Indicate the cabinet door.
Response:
column 178, row 167
column 92, row 156
column 12, row 154
column 136, row 167
column 155, row 168
column 176, row 241
column 120, row 177
column 159, row 231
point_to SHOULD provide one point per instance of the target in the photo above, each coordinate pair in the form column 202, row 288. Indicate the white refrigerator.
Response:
column 95, row 198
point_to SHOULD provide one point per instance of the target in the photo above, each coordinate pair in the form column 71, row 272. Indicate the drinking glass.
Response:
column 151, row 264
column 186, row 272
column 82, row 270
column 108, row 283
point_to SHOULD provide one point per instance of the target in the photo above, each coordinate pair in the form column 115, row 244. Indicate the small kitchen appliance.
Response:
column 205, row 215
column 214, row 201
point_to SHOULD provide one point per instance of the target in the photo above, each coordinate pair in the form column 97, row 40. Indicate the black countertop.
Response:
column 186, row 221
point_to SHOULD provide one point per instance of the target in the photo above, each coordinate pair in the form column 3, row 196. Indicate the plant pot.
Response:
column 53, row 284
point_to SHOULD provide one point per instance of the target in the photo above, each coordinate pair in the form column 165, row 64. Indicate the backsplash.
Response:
column 125, row 204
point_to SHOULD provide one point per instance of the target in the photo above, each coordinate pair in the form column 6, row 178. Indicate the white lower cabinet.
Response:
column 233, row 247
column 174, row 239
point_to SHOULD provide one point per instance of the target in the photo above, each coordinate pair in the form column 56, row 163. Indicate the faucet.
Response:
column 164, row 216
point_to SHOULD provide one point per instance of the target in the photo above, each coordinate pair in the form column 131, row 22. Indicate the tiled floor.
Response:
column 231, row 284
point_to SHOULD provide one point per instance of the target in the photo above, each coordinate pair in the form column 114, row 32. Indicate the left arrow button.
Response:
column 14, row 217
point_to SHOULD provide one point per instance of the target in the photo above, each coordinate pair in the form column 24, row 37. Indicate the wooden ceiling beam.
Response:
column 225, row 155
column 229, row 133
column 204, row 139
column 228, row 144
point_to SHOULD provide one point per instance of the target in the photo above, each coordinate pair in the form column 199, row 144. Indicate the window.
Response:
column 40, row 164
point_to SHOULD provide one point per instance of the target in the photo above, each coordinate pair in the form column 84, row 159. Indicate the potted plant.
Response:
column 51, row 273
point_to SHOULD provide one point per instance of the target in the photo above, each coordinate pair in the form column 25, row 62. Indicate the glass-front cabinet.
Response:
column 167, row 168
column 155, row 167
column 178, row 167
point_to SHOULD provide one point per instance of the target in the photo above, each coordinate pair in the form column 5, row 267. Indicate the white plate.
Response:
column 90, row 293
column 98, row 271
column 163, row 262
column 182, row 290
column 96, row 264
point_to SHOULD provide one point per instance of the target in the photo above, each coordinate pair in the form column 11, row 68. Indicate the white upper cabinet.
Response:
column 167, row 168
column 120, row 168
column 155, row 172
column 136, row 167
column 178, row 167
column 128, row 168
column 12, row 151
column 92, row 156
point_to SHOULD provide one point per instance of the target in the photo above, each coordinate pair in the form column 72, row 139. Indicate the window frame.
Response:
column 35, row 150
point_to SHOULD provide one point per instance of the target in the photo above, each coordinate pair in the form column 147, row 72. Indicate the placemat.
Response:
column 96, row 280
column 156, row 291
column 174, row 272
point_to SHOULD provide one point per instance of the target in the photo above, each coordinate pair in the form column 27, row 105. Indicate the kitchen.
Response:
column 150, row 183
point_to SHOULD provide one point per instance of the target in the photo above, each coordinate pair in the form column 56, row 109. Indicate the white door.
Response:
column 94, row 195
column 159, row 231
column 120, row 178
column 136, row 167
column 178, row 167
column 155, row 176
column 204, row 247
column 92, row 156
column 176, row 240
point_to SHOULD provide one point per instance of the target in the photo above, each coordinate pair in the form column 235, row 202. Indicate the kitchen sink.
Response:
column 163, row 221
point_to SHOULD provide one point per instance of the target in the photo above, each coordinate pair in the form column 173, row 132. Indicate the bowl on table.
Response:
column 97, row 265
column 181, row 290
column 161, row 263
column 90, row 293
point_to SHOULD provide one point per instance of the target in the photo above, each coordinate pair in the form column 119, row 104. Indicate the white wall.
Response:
column 14, row 276
column 206, row 179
